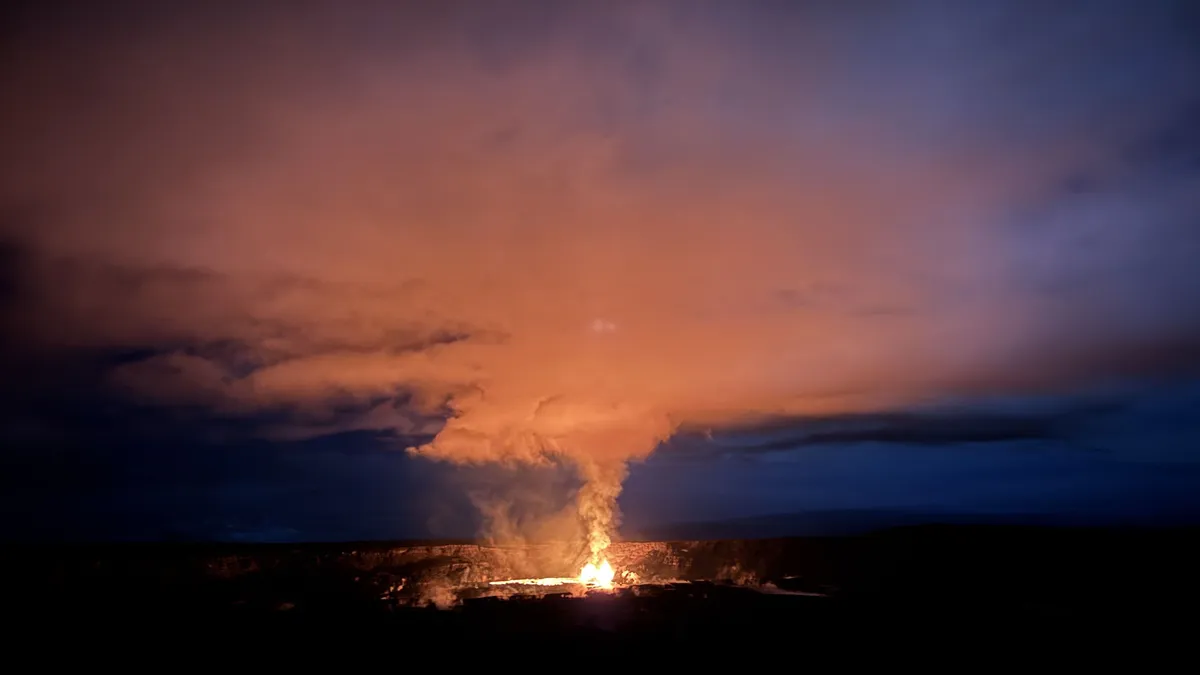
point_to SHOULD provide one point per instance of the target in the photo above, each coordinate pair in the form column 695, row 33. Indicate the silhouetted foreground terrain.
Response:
column 1016, row 586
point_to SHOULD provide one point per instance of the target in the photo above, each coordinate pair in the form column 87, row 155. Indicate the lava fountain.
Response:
column 600, row 575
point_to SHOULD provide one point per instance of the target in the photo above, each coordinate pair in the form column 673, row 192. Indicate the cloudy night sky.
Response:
column 368, row 269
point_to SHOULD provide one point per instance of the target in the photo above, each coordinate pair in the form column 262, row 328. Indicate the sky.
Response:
column 343, row 270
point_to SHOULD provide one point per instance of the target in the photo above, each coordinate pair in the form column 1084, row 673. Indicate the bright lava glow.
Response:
column 601, row 576
column 592, row 575
column 544, row 581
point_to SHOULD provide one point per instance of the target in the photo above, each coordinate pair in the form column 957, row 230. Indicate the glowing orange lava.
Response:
column 597, row 575
column 592, row 576
column 542, row 581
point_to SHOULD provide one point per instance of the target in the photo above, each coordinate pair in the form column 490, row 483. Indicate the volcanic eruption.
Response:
column 596, row 437
column 556, row 237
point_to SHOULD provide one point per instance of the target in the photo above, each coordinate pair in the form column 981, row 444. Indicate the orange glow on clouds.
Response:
column 572, row 233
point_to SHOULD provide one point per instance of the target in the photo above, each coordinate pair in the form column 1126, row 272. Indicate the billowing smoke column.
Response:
column 597, row 438
column 597, row 505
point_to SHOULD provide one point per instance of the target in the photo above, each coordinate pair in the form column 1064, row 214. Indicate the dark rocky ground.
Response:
column 940, row 589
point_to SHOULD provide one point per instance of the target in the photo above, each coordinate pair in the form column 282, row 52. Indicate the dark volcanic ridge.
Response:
column 1039, row 565
column 1071, row 589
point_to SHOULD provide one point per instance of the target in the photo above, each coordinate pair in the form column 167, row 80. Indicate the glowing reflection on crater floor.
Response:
column 592, row 576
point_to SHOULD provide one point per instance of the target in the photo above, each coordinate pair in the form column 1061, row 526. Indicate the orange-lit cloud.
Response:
column 571, row 229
